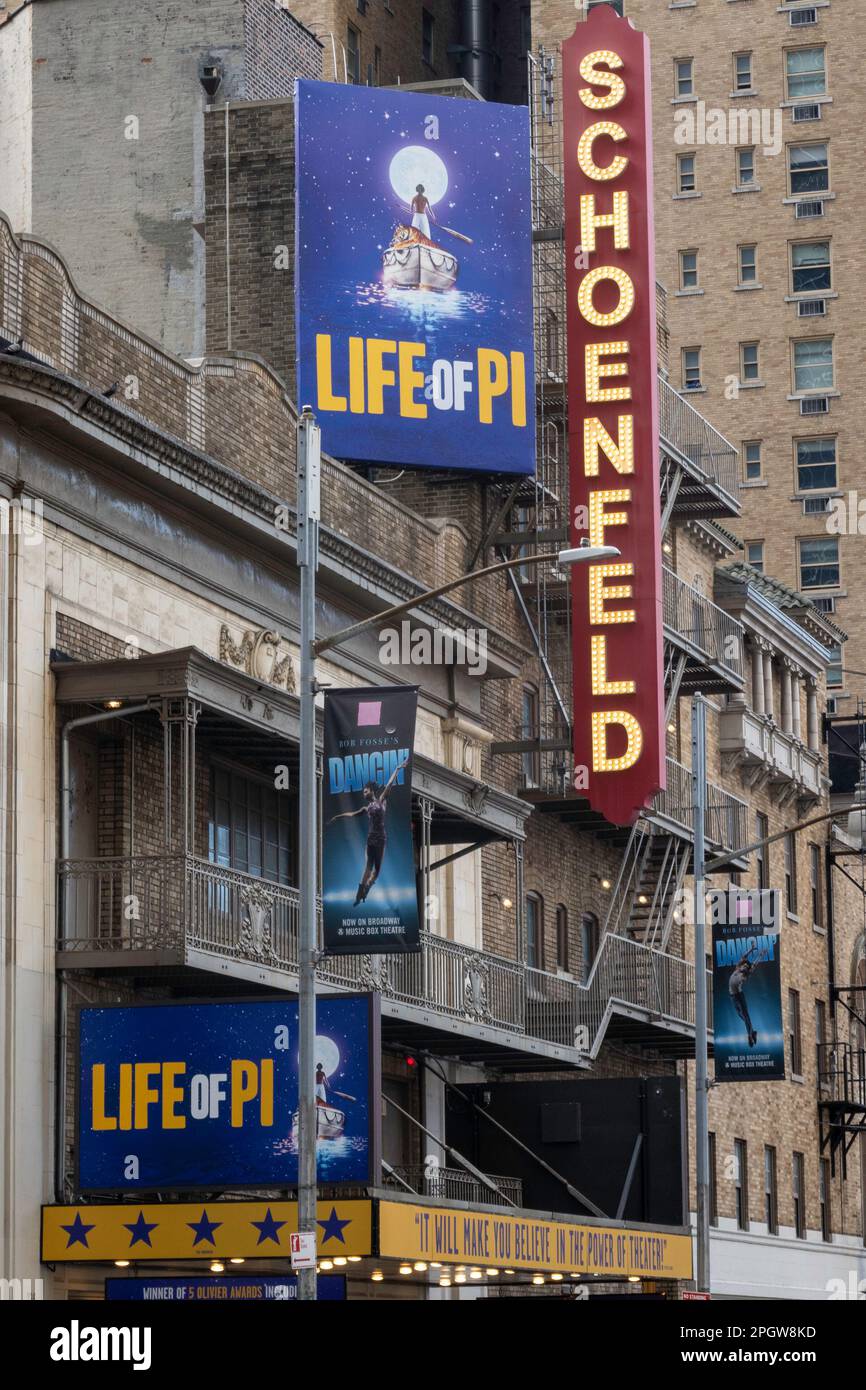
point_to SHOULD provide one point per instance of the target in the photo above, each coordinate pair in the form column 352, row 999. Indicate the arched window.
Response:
column 562, row 936
column 535, row 931
column 589, row 941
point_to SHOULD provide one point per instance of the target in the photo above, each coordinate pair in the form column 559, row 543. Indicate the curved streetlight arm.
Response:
column 563, row 557
column 722, row 859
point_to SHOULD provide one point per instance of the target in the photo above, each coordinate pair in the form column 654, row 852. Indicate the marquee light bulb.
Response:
column 600, row 593
column 617, row 219
column 625, row 305
column 615, row 84
column 594, row 370
column 585, row 157
column 600, row 760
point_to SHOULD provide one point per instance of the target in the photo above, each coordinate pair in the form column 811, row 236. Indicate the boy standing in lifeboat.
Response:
column 422, row 210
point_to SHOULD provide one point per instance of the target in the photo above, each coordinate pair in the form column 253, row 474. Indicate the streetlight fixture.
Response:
column 309, row 455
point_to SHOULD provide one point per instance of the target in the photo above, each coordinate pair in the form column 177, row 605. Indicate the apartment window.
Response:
column 714, row 1182
column 799, row 1195
column 808, row 169
column 562, row 936
column 688, row 270
column 353, row 55
column 810, row 266
column 771, row 1191
column 815, row 886
column 820, row 1040
column 747, row 266
column 684, row 77
column 790, row 872
column 755, row 555
column 752, row 462
column 686, row 182
column 427, row 37
column 742, row 72
column 795, row 1035
column 816, row 464
column 835, row 669
column 530, row 730
column 534, row 931
column 615, row 5
column 813, row 364
column 741, row 1181
column 819, row 562
column 805, row 73
column 824, row 1192
column 590, row 939
column 745, row 166
column 762, row 830
column 749, row 362
column 251, row 827
column 691, row 369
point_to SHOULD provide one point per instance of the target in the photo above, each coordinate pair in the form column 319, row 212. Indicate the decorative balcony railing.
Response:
column 756, row 740
column 173, row 907
column 694, row 621
column 697, row 444
column 456, row 1184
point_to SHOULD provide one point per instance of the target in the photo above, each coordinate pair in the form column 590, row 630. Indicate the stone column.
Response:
column 768, row 682
column 787, row 721
column 757, row 679
column 812, row 731
column 796, row 692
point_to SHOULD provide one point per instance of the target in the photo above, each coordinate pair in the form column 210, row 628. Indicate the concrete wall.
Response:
column 16, row 121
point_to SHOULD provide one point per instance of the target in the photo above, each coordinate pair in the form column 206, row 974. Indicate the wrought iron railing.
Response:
column 726, row 815
column 696, row 442
column 183, row 903
column 703, row 625
column 456, row 1184
column 842, row 1074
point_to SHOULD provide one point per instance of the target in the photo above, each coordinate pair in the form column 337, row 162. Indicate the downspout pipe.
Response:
column 102, row 717
column 476, row 60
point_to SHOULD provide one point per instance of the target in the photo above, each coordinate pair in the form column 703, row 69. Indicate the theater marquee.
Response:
column 613, row 416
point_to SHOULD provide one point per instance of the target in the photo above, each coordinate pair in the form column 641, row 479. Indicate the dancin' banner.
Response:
column 414, row 277
column 747, row 986
column 369, row 882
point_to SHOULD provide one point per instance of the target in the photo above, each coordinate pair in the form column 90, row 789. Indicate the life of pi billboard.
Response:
column 414, row 277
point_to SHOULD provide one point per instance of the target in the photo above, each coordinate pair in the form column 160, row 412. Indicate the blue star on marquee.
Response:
column 204, row 1228
column 332, row 1228
column 140, row 1230
column 77, row 1232
column 268, row 1229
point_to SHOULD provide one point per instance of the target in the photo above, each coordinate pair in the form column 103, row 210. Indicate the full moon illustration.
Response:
column 328, row 1053
column 413, row 165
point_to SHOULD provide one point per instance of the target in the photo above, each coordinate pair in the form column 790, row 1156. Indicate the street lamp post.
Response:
column 309, row 475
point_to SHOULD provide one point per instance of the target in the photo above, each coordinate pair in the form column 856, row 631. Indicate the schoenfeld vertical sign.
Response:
column 369, row 882
column 613, row 415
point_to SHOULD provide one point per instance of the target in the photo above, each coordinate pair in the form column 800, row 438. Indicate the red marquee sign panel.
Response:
column 619, row 746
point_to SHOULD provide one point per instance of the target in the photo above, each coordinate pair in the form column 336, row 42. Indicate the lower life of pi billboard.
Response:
column 369, row 879
column 414, row 277
column 747, row 985
column 184, row 1096
column 256, row 1288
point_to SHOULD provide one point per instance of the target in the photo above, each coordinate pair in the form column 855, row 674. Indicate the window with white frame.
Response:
column 816, row 464
column 691, row 368
column 745, row 166
column 684, row 77
column 810, row 266
column 747, row 265
column 819, row 562
column 752, row 461
column 742, row 72
column 813, row 364
column 808, row 169
column 688, row 270
column 686, row 181
column 749, row 366
column 805, row 73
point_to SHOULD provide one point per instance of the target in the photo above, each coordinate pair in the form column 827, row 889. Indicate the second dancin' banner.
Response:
column 369, row 881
